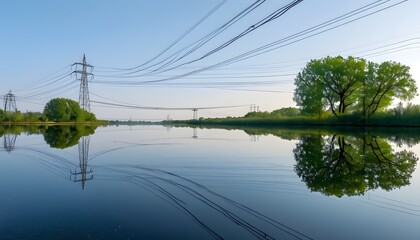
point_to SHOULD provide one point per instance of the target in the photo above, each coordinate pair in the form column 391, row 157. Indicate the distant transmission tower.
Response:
column 10, row 102
column 195, row 114
column 254, row 108
column 86, row 70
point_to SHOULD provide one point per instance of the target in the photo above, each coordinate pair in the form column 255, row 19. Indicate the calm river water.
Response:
column 156, row 182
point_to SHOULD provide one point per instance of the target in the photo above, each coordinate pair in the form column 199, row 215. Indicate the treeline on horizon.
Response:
column 400, row 116
column 56, row 110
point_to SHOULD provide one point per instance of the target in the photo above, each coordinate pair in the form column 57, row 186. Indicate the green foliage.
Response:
column 279, row 113
column 58, row 110
column 18, row 117
column 383, row 119
column 59, row 136
column 383, row 83
column 66, row 110
column 257, row 114
column 2, row 116
column 351, row 85
column 34, row 117
column 309, row 89
column 286, row 112
column 339, row 165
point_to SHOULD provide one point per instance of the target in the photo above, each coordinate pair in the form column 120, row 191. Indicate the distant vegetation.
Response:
column 131, row 122
column 408, row 115
column 56, row 110
column 22, row 117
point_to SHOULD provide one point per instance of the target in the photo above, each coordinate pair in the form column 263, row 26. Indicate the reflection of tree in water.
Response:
column 339, row 165
column 66, row 136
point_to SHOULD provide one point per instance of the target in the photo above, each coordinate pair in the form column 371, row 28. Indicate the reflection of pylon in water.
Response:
column 195, row 134
column 255, row 138
column 83, row 174
column 9, row 142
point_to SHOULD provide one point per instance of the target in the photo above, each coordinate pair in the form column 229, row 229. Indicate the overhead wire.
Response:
column 286, row 41
column 165, row 108
column 300, row 36
column 412, row 45
column 51, row 83
column 276, row 45
column 176, row 41
column 55, row 90
column 201, row 42
column 50, row 79
column 204, row 40
column 274, row 15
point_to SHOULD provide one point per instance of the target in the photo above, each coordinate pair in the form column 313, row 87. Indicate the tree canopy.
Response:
column 66, row 110
column 345, row 85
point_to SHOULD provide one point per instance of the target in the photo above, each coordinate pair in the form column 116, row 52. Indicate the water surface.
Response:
column 156, row 182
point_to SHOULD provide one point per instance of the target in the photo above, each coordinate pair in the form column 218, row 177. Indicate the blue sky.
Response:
column 40, row 38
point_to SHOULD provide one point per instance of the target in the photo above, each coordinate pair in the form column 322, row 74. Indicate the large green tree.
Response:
column 351, row 85
column 66, row 110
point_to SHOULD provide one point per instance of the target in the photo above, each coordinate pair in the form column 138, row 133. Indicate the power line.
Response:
column 407, row 46
column 176, row 41
column 50, row 79
column 300, row 36
column 164, row 108
column 200, row 43
column 276, row 14
column 55, row 90
column 274, row 45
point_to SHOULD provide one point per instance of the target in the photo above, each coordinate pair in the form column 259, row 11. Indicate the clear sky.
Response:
column 41, row 38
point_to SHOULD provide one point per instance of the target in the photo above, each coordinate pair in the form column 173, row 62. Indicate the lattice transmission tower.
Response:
column 83, row 71
column 10, row 102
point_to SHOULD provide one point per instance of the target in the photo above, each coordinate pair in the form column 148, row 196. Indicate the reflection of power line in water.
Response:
column 78, row 175
column 52, row 162
column 93, row 156
column 392, row 205
column 162, row 181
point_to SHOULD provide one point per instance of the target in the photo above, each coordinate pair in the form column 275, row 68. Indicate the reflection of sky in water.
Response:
column 151, row 181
